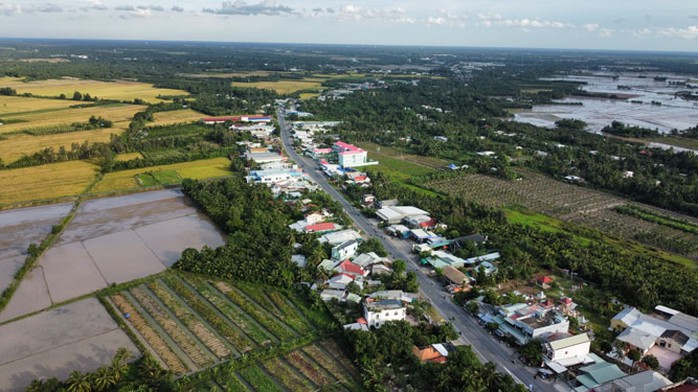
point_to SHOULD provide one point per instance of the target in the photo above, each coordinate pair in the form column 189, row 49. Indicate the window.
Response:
column 396, row 313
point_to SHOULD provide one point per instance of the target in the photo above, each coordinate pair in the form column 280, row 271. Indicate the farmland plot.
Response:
column 567, row 202
column 121, row 90
column 308, row 368
column 190, row 325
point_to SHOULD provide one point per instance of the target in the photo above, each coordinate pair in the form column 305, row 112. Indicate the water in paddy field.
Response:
column 635, row 109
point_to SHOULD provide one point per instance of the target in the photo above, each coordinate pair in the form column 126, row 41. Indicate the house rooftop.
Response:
column 627, row 315
column 384, row 304
column 599, row 373
column 454, row 275
column 637, row 338
column 646, row 381
column 675, row 335
column 569, row 342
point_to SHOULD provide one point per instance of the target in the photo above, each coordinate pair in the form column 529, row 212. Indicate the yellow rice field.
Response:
column 16, row 106
column 15, row 146
column 285, row 86
column 126, row 179
column 45, row 182
column 119, row 114
column 176, row 116
column 122, row 90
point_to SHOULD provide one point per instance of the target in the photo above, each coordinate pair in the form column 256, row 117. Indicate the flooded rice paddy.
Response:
column 78, row 336
column 21, row 227
column 113, row 240
column 647, row 103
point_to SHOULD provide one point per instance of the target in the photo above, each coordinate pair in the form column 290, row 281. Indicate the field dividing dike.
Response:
column 245, row 321
column 151, row 337
column 256, row 310
column 32, row 260
column 259, row 379
column 299, row 357
column 237, row 383
column 195, row 349
column 281, row 309
column 303, row 372
column 236, row 336
column 329, row 363
column 289, row 309
column 291, row 379
column 171, row 343
column 132, row 332
column 331, row 348
column 215, row 342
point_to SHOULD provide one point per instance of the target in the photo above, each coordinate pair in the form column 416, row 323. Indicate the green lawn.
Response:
column 159, row 177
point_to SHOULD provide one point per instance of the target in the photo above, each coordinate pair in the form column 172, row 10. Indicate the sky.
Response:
column 654, row 25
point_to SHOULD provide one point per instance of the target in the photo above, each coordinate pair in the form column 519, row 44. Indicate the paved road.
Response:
column 485, row 346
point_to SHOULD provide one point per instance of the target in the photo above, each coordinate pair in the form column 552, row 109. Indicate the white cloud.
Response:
column 446, row 18
column 690, row 32
column 392, row 15
column 10, row 9
column 266, row 7
column 489, row 20
column 16, row 9
column 591, row 27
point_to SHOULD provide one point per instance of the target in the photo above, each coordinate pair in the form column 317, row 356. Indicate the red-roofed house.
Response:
column 350, row 155
column 544, row 282
column 349, row 268
column 434, row 353
column 220, row 120
column 547, row 304
column 322, row 227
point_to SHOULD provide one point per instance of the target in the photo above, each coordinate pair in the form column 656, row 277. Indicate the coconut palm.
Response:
column 78, row 382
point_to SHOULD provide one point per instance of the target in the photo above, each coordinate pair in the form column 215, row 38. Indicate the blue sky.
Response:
column 578, row 24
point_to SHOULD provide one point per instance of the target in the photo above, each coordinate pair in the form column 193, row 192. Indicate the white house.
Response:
column 345, row 250
column 379, row 312
column 339, row 237
column 567, row 347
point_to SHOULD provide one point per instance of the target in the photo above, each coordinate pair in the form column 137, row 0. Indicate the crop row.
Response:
column 191, row 323
column 305, row 369
column 241, row 342
column 263, row 316
column 191, row 320
column 148, row 333
column 238, row 316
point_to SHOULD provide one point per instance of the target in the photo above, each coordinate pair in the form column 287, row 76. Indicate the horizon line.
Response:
column 365, row 45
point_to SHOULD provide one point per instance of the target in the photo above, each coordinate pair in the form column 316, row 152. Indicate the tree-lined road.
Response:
column 485, row 346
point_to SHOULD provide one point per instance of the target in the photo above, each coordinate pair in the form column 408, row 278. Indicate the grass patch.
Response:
column 45, row 182
column 664, row 220
column 160, row 177
column 526, row 217
column 128, row 179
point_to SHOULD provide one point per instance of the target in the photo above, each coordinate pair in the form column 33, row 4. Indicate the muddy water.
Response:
column 673, row 113
column 111, row 240
column 21, row 227
column 110, row 215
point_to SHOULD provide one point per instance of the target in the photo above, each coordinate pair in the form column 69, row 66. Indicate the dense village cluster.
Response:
column 354, row 277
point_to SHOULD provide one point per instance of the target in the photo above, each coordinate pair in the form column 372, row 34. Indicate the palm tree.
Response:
column 119, row 364
column 78, row 382
column 103, row 378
